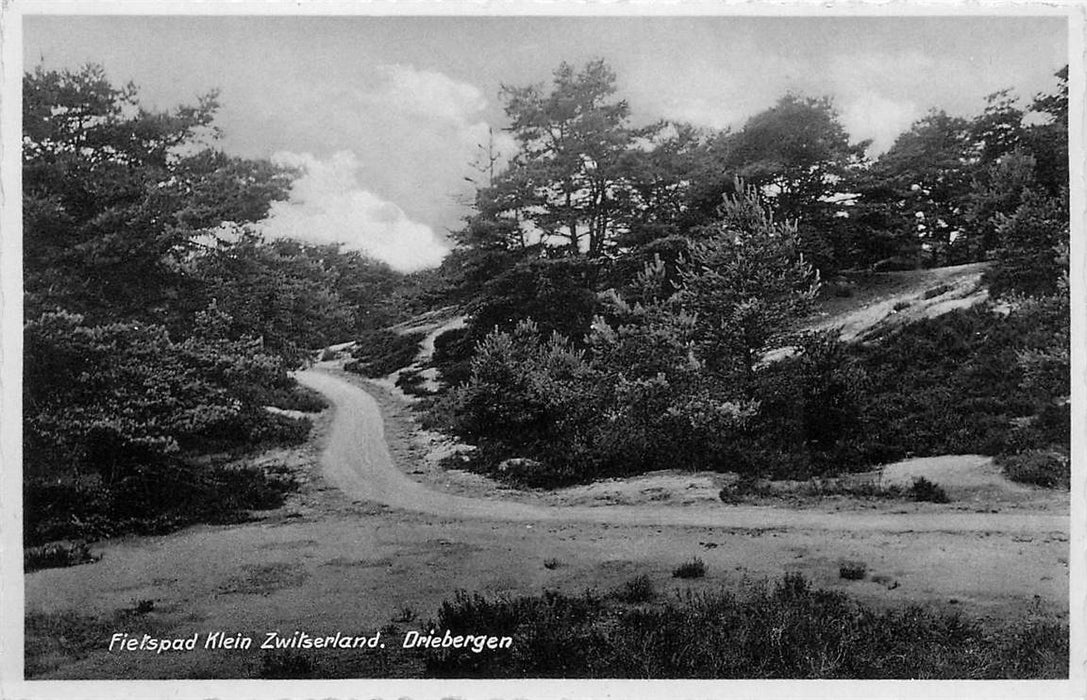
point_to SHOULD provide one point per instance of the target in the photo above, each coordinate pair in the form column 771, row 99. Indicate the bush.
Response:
column 57, row 554
column 453, row 355
column 853, row 571
column 381, row 352
column 639, row 589
column 411, row 383
column 695, row 568
column 924, row 490
column 789, row 630
column 150, row 499
column 1046, row 468
column 295, row 398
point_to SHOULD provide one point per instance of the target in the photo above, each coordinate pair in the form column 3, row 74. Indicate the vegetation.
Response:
column 159, row 324
column 380, row 352
column 695, row 568
column 623, row 286
column 788, row 630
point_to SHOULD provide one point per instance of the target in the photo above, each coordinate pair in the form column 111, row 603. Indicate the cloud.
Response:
column 328, row 205
column 417, row 134
column 878, row 118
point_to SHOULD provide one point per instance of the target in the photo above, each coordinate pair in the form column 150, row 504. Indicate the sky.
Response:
column 385, row 115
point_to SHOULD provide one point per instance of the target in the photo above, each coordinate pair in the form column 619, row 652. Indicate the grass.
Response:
column 785, row 630
column 57, row 638
column 695, row 568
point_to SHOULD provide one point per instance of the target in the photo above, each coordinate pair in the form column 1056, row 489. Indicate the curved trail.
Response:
column 356, row 460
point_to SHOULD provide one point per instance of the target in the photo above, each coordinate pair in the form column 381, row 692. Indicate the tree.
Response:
column 928, row 174
column 747, row 283
column 799, row 157
column 1048, row 140
column 1032, row 252
column 571, row 140
column 116, row 196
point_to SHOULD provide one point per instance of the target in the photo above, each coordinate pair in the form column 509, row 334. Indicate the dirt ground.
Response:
column 331, row 560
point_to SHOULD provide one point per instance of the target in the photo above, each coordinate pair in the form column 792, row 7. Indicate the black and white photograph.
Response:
column 516, row 351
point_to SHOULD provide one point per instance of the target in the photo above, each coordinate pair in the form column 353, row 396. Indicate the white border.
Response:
column 11, row 579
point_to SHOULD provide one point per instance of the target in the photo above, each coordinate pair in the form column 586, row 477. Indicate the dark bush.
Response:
column 148, row 499
column 853, row 571
column 381, row 352
column 639, row 589
column 56, row 554
column 789, row 630
column 411, row 383
column 924, row 490
column 453, row 355
column 295, row 398
column 1046, row 468
column 695, row 568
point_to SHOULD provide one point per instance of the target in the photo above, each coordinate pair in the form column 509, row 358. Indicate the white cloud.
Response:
column 873, row 116
column 328, row 205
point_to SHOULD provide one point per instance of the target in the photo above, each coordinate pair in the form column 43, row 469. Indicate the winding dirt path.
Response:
column 356, row 460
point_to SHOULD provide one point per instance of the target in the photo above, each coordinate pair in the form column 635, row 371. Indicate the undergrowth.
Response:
column 787, row 630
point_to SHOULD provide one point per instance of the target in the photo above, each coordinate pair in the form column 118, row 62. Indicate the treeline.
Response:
column 624, row 283
column 159, row 323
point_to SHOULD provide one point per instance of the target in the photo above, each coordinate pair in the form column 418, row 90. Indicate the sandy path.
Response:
column 356, row 460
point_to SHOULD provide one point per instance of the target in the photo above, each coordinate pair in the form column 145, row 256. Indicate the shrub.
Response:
column 1046, row 468
column 924, row 490
column 936, row 291
column 853, row 570
column 411, row 383
column 639, row 589
column 788, row 630
column 295, row 398
column 57, row 554
column 453, row 355
column 381, row 352
column 695, row 568
column 150, row 499
column 551, row 563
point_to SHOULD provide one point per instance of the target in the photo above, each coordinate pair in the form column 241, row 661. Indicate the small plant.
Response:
column 901, row 305
column 936, row 291
column 852, row 570
column 744, row 488
column 411, row 382
column 925, row 490
column 143, row 606
column 695, row 568
column 406, row 614
column 639, row 589
column 551, row 563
